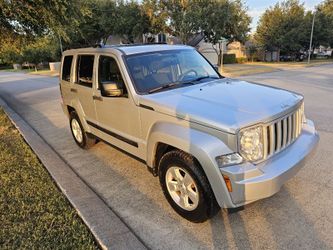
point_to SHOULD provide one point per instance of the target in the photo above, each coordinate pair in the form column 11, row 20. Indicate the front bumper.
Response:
column 253, row 182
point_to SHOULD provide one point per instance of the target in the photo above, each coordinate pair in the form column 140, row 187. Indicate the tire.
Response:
column 82, row 139
column 196, row 208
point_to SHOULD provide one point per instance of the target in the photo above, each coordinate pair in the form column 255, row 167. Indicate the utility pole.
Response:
column 221, row 50
column 60, row 43
column 221, row 57
column 310, row 48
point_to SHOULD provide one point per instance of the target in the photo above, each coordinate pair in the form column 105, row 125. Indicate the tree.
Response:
column 30, row 20
column 43, row 49
column 252, row 50
column 156, row 12
column 131, row 22
column 96, row 24
column 181, row 15
column 38, row 17
column 104, row 18
column 323, row 31
column 281, row 27
column 11, row 47
column 215, row 19
column 227, row 21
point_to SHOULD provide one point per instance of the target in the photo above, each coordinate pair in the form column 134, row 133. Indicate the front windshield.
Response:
column 155, row 70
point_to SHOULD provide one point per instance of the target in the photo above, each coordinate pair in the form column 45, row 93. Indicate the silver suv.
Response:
column 212, row 141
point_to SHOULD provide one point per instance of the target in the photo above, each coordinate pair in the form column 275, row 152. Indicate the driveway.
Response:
column 299, row 216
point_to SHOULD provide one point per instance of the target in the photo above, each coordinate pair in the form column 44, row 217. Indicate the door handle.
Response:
column 97, row 98
column 74, row 90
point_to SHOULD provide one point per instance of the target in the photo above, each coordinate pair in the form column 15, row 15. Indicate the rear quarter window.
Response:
column 66, row 68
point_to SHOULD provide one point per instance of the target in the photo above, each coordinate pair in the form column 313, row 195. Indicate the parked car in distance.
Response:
column 214, row 142
column 323, row 55
column 299, row 57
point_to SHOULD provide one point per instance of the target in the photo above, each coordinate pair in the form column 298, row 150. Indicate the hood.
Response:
column 224, row 104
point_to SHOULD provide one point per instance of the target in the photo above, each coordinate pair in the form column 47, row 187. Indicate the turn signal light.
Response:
column 227, row 182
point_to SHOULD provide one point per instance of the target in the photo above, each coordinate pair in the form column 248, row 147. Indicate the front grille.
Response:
column 282, row 132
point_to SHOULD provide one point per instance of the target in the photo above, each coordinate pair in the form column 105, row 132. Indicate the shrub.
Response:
column 229, row 58
column 241, row 59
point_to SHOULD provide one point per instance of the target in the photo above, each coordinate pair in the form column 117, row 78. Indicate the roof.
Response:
column 136, row 49
column 130, row 49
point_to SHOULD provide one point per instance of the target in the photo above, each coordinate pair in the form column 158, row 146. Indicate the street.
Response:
column 298, row 217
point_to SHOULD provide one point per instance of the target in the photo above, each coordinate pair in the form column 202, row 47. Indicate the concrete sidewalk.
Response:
column 108, row 229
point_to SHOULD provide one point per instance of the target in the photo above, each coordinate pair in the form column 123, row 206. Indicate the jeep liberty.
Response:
column 214, row 142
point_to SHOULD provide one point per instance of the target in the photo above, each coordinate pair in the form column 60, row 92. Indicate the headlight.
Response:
column 251, row 143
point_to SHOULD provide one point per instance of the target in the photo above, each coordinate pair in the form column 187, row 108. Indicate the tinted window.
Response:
column 155, row 69
column 85, row 66
column 109, row 72
column 66, row 68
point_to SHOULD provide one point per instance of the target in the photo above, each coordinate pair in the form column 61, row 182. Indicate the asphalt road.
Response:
column 300, row 216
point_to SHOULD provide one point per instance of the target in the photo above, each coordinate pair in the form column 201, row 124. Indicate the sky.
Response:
column 257, row 7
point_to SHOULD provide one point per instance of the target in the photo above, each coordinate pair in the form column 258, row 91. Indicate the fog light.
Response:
column 230, row 159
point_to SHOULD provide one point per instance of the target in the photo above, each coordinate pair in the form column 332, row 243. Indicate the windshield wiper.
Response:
column 169, row 85
column 165, row 86
column 199, row 79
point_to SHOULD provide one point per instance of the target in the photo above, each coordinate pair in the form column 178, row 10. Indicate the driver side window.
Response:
column 109, row 72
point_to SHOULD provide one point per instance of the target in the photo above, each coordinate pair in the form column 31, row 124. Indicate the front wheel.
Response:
column 186, row 187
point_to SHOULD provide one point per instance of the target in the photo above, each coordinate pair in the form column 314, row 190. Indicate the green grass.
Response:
column 46, row 72
column 17, row 70
column 304, row 63
column 34, row 214
column 234, row 70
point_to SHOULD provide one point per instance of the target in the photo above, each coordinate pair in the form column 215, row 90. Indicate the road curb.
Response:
column 108, row 229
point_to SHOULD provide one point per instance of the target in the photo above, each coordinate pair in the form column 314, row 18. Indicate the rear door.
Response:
column 84, row 86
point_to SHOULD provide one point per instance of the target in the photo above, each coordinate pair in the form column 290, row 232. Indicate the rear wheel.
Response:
column 81, row 138
column 186, row 187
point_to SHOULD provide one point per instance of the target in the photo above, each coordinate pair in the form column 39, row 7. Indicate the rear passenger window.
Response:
column 85, row 66
column 66, row 68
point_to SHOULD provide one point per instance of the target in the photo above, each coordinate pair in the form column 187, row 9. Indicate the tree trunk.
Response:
column 220, row 56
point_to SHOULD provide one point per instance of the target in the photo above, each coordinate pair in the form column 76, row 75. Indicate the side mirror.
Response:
column 112, row 89
column 216, row 67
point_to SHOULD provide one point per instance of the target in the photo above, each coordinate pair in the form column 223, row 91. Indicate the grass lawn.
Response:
column 34, row 214
column 17, row 70
column 313, row 62
column 234, row 70
column 45, row 73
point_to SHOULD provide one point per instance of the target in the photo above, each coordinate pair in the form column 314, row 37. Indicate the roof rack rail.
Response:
column 126, row 44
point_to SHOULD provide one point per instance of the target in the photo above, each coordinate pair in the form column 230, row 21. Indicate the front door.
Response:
column 118, row 117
